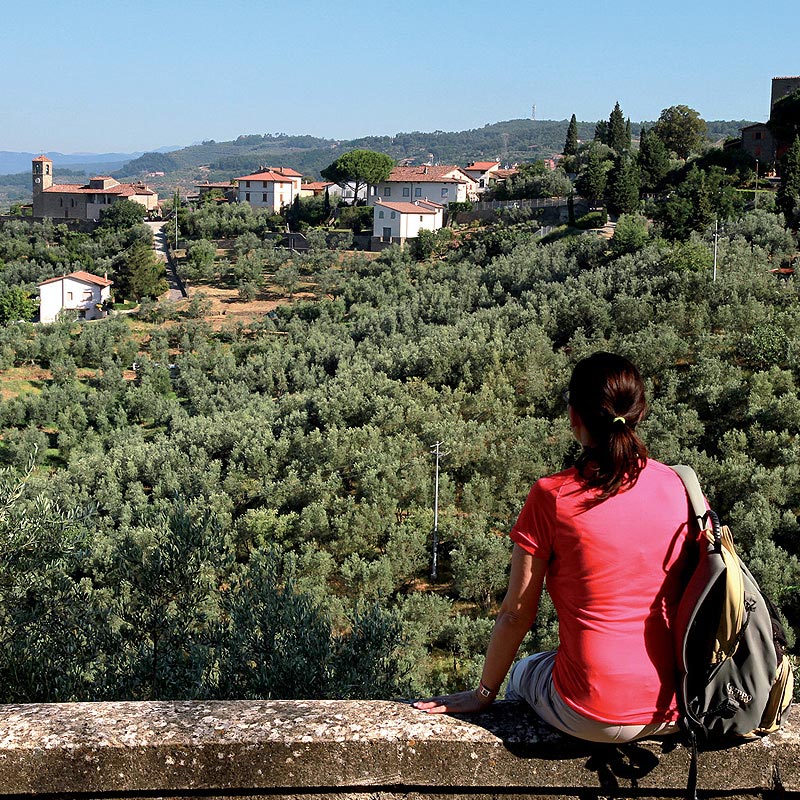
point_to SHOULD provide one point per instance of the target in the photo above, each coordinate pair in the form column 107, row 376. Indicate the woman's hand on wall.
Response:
column 459, row 703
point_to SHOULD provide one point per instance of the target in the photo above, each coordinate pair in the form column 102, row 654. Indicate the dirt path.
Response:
column 176, row 287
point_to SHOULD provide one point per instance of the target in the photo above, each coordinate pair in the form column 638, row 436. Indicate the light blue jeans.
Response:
column 531, row 680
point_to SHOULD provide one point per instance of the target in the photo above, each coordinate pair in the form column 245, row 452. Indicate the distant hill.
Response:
column 515, row 140
column 90, row 163
column 509, row 142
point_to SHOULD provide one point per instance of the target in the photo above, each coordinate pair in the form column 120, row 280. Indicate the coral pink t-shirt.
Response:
column 614, row 573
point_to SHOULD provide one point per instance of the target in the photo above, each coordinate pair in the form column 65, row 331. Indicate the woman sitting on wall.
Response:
column 610, row 536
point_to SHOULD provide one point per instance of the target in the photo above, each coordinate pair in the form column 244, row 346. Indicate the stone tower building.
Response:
column 41, row 175
column 782, row 87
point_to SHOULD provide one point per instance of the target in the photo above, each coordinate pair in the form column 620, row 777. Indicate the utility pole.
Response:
column 435, row 550
column 716, row 237
column 755, row 193
column 176, row 202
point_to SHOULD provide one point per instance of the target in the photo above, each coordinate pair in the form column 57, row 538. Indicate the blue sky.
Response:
column 124, row 75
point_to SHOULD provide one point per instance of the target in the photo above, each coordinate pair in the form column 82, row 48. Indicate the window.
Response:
column 264, row 197
column 72, row 202
column 87, row 294
column 758, row 136
column 61, row 201
column 247, row 196
column 393, row 215
column 445, row 192
column 247, row 184
column 417, row 192
column 406, row 191
column 420, row 219
column 263, row 184
column 46, row 169
column 69, row 295
column 380, row 215
column 387, row 191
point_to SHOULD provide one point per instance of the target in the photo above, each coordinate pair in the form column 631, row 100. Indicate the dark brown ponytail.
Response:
column 607, row 393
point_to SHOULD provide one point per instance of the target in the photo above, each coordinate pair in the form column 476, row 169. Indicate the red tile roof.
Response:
column 316, row 185
column 274, row 174
column 409, row 208
column 80, row 275
column 42, row 158
column 422, row 174
column 121, row 189
column 483, row 166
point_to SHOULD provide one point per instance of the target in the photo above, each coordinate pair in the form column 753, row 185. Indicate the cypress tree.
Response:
column 601, row 132
column 591, row 183
column 628, row 136
column 142, row 274
column 326, row 205
column 616, row 136
column 653, row 161
column 571, row 143
column 623, row 186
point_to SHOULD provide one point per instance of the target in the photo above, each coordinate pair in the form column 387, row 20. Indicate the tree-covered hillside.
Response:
column 253, row 504
column 510, row 142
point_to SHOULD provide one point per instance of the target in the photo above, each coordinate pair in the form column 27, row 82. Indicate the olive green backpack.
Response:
column 735, row 678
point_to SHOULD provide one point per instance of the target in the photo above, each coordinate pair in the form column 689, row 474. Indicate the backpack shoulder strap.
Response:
column 689, row 478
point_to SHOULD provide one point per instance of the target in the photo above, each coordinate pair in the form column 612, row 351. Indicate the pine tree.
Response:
column 601, row 132
column 616, row 136
column 571, row 143
column 788, row 198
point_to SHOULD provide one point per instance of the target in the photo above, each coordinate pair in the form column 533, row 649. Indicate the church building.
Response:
column 81, row 201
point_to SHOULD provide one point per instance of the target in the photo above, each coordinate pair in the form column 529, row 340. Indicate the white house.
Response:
column 393, row 223
column 482, row 173
column 344, row 191
column 443, row 184
column 80, row 291
column 317, row 188
column 272, row 188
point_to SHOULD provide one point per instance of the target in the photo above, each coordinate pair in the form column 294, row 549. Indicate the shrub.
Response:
column 594, row 219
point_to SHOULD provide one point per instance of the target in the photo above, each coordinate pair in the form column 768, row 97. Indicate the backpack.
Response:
column 735, row 679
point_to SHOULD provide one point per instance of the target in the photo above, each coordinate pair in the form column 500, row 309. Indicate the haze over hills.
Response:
column 14, row 162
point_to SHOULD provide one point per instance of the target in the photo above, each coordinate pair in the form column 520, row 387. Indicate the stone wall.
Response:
column 372, row 750
column 79, row 225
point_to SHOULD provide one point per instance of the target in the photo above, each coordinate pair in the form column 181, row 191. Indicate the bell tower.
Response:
column 41, row 174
